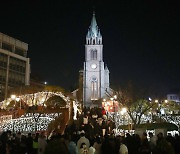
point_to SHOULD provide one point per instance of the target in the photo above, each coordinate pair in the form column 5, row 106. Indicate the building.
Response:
column 173, row 97
column 95, row 75
column 14, row 64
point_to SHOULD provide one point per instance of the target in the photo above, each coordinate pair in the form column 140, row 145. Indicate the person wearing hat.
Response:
column 83, row 140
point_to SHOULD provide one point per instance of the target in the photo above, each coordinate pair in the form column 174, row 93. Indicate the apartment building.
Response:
column 14, row 64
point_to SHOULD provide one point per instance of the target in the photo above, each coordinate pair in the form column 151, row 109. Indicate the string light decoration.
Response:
column 5, row 119
column 75, row 110
column 121, row 117
column 126, row 120
column 36, row 99
column 33, row 121
column 30, row 122
column 175, row 119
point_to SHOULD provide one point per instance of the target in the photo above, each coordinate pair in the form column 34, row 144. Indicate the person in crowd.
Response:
column 29, row 143
column 117, row 143
column 35, row 143
column 56, row 146
column 177, row 143
column 18, row 137
column 90, row 129
column 104, row 127
column 92, row 150
column 41, row 143
column 97, row 144
column 16, row 141
column 97, row 129
column 3, row 142
column 72, row 148
column 14, row 144
column 123, row 148
column 144, row 147
column 94, row 114
column 108, row 126
column 85, row 119
column 171, row 139
column 82, row 140
column 152, row 141
column 128, row 141
column 108, row 145
column 136, row 143
column 23, row 145
column 103, row 111
column 91, row 121
column 163, row 146
column 83, row 149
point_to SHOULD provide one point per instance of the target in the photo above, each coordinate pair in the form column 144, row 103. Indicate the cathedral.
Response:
column 94, row 78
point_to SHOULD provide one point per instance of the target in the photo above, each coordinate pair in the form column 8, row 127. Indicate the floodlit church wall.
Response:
column 89, row 48
column 106, row 82
column 95, row 76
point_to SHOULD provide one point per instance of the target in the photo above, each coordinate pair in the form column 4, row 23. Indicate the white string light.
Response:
column 30, row 122
column 35, row 98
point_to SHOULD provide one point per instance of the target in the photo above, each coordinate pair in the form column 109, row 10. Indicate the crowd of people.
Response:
column 91, row 133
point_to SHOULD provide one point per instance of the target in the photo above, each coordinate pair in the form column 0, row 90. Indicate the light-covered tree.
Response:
column 135, row 103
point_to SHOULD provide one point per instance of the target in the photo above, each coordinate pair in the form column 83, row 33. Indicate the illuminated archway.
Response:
column 35, row 99
column 31, row 121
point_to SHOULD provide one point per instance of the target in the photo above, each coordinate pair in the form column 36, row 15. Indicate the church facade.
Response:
column 95, row 73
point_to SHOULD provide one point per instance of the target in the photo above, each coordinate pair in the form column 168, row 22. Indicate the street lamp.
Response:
column 13, row 97
column 123, row 110
column 16, row 99
column 156, row 101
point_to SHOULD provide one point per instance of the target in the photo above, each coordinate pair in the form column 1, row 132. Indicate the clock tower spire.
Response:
column 93, row 36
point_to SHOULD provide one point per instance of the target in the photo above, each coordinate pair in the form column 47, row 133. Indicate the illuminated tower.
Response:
column 95, row 76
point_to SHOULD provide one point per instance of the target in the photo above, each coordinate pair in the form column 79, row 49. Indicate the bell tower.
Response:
column 95, row 76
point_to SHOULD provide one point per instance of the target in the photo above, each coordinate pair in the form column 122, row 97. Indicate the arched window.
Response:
column 93, row 54
column 94, row 90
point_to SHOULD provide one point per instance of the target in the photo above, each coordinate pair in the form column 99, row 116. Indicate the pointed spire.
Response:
column 106, row 68
column 99, row 34
column 93, row 26
column 88, row 34
column 93, row 21
column 93, row 36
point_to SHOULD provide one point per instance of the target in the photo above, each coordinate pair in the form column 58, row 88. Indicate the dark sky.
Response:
column 141, row 39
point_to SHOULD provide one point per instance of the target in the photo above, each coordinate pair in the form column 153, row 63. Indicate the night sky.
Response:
column 141, row 40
